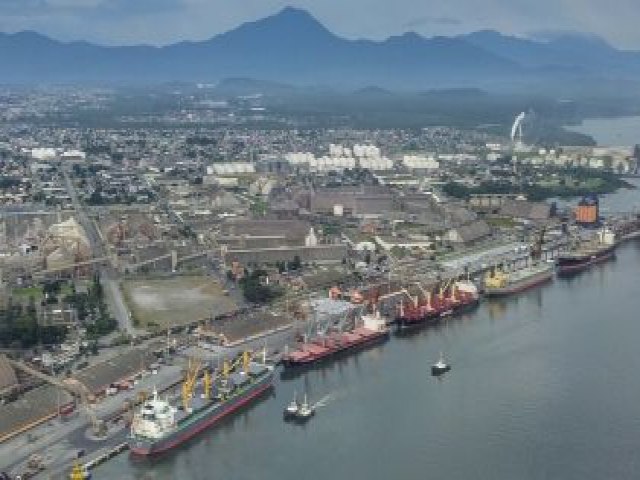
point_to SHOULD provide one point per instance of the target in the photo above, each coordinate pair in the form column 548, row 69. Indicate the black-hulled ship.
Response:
column 587, row 253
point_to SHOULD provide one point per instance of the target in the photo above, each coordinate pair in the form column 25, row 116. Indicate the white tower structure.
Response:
column 516, row 129
column 311, row 240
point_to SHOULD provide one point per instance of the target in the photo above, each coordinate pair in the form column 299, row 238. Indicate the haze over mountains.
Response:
column 291, row 47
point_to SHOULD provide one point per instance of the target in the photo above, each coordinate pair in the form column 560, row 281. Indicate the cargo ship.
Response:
column 628, row 229
column 370, row 329
column 506, row 281
column 587, row 253
column 162, row 424
column 499, row 282
column 453, row 299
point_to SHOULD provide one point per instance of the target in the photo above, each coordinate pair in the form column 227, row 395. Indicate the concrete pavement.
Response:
column 59, row 441
column 108, row 275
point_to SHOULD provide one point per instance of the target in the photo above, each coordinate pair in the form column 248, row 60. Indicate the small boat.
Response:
column 440, row 367
column 80, row 472
column 305, row 411
column 291, row 411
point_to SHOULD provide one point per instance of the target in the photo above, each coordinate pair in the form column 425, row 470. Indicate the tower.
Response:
column 516, row 129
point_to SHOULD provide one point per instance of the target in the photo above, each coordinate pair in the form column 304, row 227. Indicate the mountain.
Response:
column 568, row 52
column 293, row 48
column 236, row 87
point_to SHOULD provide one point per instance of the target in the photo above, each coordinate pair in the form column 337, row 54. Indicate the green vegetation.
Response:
column 19, row 327
column 258, row 207
column 25, row 293
column 283, row 266
column 256, row 290
column 331, row 228
column 504, row 222
column 7, row 181
column 92, row 310
column 572, row 183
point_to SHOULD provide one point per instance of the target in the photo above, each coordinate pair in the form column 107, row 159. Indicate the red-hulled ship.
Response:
column 459, row 297
column 371, row 329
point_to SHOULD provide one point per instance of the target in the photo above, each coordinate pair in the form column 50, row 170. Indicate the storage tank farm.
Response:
column 588, row 211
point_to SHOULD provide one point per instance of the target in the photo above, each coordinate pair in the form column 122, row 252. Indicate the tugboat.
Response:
column 440, row 367
column 305, row 411
column 292, row 410
column 79, row 472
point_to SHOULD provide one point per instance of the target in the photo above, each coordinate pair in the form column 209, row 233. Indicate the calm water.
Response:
column 621, row 131
column 544, row 385
column 624, row 200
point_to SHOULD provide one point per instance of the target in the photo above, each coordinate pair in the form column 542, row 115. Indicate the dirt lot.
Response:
column 175, row 301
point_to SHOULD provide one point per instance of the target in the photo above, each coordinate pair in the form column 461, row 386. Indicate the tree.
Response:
column 255, row 291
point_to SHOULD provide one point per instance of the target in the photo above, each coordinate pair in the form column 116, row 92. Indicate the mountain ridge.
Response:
column 293, row 47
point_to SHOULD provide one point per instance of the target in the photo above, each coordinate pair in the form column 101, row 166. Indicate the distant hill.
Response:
column 373, row 91
column 293, row 48
column 250, row 86
column 568, row 52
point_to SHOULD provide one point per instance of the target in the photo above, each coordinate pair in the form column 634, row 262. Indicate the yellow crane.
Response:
column 189, row 384
column 77, row 473
column 244, row 360
column 207, row 382
column 228, row 367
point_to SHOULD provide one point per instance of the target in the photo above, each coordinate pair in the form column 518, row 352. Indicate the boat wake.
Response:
column 324, row 401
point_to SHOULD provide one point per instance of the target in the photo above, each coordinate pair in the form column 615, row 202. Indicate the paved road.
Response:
column 59, row 441
column 115, row 300
column 108, row 275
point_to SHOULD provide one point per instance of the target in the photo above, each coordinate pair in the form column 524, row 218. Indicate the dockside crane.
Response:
column 75, row 387
column 189, row 384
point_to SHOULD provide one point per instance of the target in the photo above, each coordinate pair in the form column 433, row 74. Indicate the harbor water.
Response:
column 544, row 385
column 613, row 131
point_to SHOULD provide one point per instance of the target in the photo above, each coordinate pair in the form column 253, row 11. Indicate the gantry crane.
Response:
column 74, row 386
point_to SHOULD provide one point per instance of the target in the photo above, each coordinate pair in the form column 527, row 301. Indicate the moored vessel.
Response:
column 331, row 340
column 161, row 424
column 512, row 279
column 584, row 254
column 500, row 282
column 454, row 297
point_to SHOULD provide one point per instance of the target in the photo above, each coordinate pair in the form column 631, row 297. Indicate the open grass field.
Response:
column 175, row 301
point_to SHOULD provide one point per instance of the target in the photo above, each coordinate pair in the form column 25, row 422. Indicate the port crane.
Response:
column 536, row 248
column 189, row 384
column 72, row 385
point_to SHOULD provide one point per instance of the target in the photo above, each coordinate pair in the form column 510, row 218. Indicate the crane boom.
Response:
column 71, row 385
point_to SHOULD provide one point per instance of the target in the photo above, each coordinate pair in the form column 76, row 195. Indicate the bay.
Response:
column 615, row 131
column 544, row 385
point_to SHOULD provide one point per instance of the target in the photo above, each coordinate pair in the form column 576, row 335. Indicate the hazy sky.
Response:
column 166, row 21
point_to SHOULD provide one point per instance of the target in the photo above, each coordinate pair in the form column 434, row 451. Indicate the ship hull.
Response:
column 521, row 285
column 207, row 418
column 292, row 363
column 569, row 264
column 435, row 317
